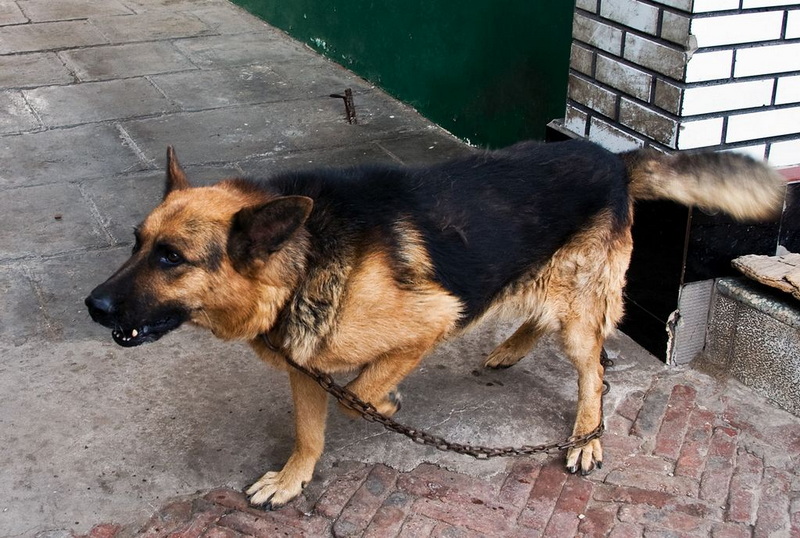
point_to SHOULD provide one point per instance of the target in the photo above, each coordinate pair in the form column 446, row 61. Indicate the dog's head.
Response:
column 225, row 257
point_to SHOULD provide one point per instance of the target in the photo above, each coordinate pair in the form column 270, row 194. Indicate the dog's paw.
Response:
column 276, row 488
column 390, row 405
column 586, row 458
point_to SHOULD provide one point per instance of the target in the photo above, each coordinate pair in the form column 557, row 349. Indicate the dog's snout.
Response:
column 100, row 305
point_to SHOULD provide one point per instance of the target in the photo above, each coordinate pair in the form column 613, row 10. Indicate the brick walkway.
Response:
column 690, row 457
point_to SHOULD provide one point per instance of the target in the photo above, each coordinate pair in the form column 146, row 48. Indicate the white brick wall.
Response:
column 759, row 151
column 793, row 24
column 700, row 133
column 683, row 74
column 784, row 153
column 771, row 123
column 722, row 97
column 706, row 6
column 703, row 66
column 767, row 60
column 749, row 4
column 740, row 28
column 788, row 90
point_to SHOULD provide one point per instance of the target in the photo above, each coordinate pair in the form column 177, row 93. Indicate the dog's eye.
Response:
column 170, row 258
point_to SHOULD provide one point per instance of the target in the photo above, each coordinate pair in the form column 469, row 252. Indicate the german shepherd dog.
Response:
column 366, row 269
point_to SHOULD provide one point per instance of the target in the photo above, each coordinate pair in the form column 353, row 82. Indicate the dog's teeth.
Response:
column 134, row 333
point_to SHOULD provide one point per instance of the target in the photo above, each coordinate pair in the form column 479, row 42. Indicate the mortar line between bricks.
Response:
column 384, row 496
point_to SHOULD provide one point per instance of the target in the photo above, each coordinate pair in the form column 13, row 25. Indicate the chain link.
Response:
column 371, row 414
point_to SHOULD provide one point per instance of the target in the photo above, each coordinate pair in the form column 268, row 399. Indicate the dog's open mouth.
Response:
column 143, row 334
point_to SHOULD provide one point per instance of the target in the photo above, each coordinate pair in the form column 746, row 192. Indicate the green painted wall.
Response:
column 492, row 72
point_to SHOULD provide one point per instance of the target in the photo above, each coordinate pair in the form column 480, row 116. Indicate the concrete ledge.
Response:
column 754, row 335
column 777, row 305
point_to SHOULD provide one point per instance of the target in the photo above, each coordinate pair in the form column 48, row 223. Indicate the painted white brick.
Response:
column 647, row 121
column 588, row 5
column 767, row 60
column 721, row 97
column 576, row 120
column 766, row 3
column 757, row 125
column 612, row 138
column 675, row 27
column 785, row 153
column 757, row 152
column 624, row 78
column 793, row 24
column 666, row 60
column 704, row 66
column 631, row 13
column 788, row 90
column 706, row 6
column 740, row 28
column 700, row 133
column 597, row 34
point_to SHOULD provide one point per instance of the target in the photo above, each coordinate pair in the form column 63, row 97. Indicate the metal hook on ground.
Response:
column 349, row 106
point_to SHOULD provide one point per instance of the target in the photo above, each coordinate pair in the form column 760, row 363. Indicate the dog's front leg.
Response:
column 276, row 488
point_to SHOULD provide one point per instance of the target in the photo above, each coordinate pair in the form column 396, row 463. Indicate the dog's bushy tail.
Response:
column 732, row 183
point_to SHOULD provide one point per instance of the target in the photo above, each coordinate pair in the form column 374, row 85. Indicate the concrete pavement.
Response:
column 158, row 439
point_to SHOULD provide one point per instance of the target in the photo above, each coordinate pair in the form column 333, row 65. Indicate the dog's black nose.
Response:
column 99, row 305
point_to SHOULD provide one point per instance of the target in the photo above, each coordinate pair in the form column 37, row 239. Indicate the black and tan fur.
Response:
column 367, row 269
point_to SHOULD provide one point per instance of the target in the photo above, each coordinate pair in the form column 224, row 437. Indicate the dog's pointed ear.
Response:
column 176, row 177
column 257, row 232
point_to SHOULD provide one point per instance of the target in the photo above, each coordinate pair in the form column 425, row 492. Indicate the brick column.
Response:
column 684, row 74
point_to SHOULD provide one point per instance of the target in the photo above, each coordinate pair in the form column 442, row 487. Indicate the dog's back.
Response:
column 485, row 220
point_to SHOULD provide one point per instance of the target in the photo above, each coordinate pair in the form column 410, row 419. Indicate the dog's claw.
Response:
column 586, row 458
column 275, row 489
column 396, row 399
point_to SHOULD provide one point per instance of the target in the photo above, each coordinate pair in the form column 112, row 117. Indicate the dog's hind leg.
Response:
column 276, row 488
column 583, row 344
column 516, row 346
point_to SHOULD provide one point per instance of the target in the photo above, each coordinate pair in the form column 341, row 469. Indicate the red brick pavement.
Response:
column 690, row 457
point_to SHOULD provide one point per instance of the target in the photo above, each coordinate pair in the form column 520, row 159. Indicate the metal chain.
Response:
column 371, row 414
